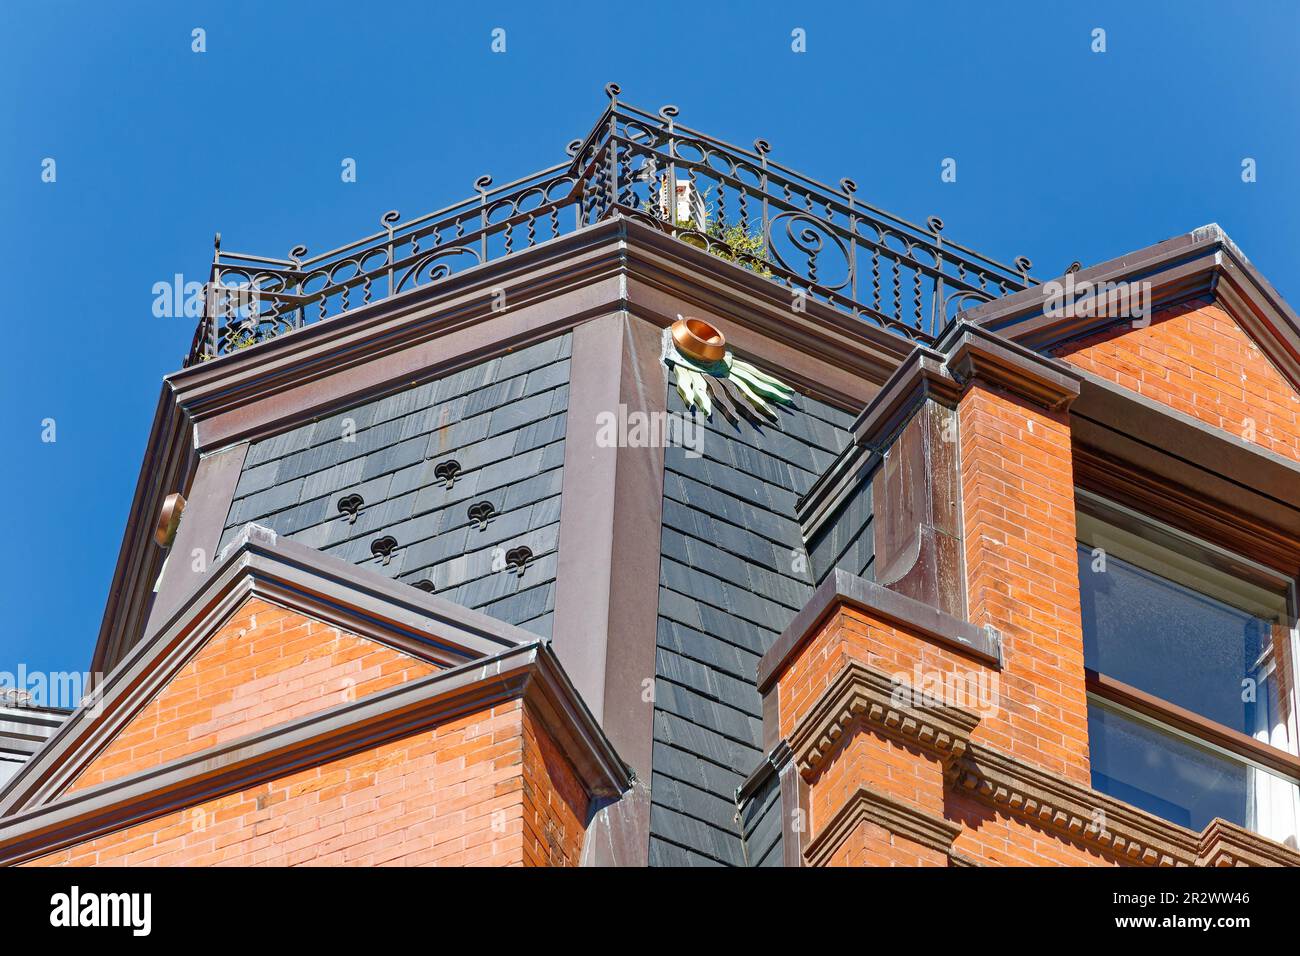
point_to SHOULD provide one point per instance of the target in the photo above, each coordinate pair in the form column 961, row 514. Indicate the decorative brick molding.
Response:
column 862, row 694
column 901, row 819
column 1077, row 812
column 1226, row 844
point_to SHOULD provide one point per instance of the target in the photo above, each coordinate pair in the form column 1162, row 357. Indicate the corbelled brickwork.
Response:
column 266, row 666
column 1197, row 360
column 487, row 789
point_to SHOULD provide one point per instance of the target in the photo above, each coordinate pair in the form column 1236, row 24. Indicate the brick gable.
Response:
column 1198, row 361
column 264, row 667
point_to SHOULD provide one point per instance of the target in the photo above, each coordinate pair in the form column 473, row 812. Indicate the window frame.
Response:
column 1166, row 715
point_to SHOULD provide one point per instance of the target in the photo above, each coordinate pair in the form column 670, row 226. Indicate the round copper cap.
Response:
column 169, row 518
column 696, row 339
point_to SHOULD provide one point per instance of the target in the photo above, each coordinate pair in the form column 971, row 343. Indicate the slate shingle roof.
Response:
column 730, row 583
column 502, row 421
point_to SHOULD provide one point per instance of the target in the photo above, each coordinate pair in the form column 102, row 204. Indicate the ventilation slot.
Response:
column 350, row 505
column 383, row 547
column 481, row 512
column 447, row 471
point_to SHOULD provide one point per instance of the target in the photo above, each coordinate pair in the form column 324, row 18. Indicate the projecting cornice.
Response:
column 870, row 806
column 965, row 354
column 1204, row 263
column 860, row 694
column 1070, row 809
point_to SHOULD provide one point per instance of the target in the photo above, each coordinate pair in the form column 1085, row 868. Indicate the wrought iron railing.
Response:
column 822, row 243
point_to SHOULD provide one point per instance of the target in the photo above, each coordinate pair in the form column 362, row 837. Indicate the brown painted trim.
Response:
column 843, row 589
column 898, row 818
column 964, row 354
column 1177, row 268
column 977, row 353
column 1145, row 420
column 170, row 461
column 210, row 495
column 259, row 564
column 528, row 671
column 1264, row 534
column 796, row 797
column 917, row 520
column 1131, row 697
column 585, row 557
column 638, row 494
column 861, row 694
column 1202, row 263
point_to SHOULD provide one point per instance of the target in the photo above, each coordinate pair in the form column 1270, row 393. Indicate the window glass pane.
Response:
column 1161, row 772
column 1186, row 632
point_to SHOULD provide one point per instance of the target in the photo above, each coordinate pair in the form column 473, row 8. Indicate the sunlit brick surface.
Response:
column 1198, row 361
column 487, row 789
column 265, row 667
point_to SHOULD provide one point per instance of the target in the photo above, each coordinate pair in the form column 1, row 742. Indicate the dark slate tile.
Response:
column 265, row 503
column 501, row 392
column 538, row 433
column 541, row 626
column 704, row 742
column 718, row 717
column 523, row 605
column 686, row 765
column 692, row 802
column 256, row 479
column 680, row 828
column 720, row 659
column 526, row 410
column 534, row 489
column 534, row 356
column 705, row 680
column 467, row 380
column 545, row 378
column 394, row 457
column 333, row 479
column 663, row 853
column 278, row 446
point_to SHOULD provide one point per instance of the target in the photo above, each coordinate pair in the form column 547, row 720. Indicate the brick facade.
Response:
column 1197, row 360
column 489, row 785
column 910, row 750
column 265, row 667
column 487, row 789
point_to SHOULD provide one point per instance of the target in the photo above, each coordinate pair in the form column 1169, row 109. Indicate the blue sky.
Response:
column 1062, row 154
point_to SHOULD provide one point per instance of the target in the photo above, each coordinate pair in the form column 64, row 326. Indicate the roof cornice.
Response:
column 616, row 265
column 1201, row 263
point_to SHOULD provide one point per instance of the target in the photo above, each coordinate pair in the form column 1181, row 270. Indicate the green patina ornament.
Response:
column 733, row 386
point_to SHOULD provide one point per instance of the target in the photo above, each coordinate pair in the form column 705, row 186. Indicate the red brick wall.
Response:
column 1022, row 572
column 1198, row 361
column 995, row 838
column 487, row 789
column 872, row 845
column 264, row 667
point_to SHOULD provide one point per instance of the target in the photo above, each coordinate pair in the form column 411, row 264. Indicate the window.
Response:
column 1189, row 651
